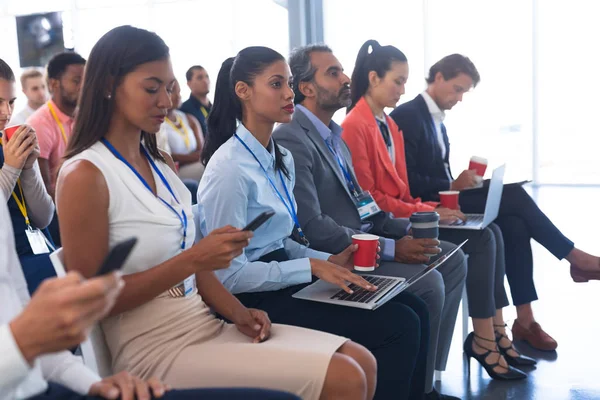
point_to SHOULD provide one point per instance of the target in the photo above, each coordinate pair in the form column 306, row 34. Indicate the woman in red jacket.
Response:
column 377, row 147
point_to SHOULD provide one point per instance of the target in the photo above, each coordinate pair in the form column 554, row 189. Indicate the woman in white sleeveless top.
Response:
column 111, row 188
column 185, row 138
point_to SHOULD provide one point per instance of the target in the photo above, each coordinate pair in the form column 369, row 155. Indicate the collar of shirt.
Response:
column 266, row 157
column 330, row 134
column 434, row 109
column 63, row 118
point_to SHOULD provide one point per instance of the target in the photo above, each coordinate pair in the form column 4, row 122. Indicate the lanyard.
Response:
column 351, row 185
column 184, row 134
column 60, row 125
column 291, row 208
column 204, row 111
column 183, row 216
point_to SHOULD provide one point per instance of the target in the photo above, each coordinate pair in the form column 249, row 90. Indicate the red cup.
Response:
column 8, row 132
column 365, row 258
column 479, row 165
column 449, row 199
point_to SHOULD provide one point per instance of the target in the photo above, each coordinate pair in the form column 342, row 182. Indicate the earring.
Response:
column 109, row 96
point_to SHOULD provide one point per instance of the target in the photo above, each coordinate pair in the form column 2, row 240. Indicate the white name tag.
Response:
column 189, row 286
column 366, row 205
column 37, row 241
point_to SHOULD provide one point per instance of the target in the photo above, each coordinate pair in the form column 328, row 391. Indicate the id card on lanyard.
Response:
column 364, row 202
column 291, row 208
column 190, row 282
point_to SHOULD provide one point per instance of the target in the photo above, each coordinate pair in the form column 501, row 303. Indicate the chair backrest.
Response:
column 94, row 351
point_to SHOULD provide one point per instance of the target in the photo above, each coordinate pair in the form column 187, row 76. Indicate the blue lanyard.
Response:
column 183, row 216
column 291, row 209
column 351, row 185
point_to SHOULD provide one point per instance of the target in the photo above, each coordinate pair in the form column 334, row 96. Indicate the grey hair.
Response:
column 301, row 67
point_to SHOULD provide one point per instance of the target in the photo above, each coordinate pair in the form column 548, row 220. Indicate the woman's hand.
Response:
column 450, row 216
column 346, row 258
column 253, row 323
column 125, row 386
column 20, row 146
column 33, row 156
column 337, row 275
column 219, row 248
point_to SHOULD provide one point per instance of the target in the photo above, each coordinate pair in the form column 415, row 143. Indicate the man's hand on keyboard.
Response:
column 337, row 275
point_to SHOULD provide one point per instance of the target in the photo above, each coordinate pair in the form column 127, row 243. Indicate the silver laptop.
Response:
column 387, row 288
column 492, row 206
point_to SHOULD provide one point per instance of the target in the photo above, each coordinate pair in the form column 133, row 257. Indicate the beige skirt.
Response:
column 179, row 341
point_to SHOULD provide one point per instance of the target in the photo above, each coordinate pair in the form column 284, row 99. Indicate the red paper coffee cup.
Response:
column 365, row 258
column 449, row 199
column 479, row 165
column 8, row 132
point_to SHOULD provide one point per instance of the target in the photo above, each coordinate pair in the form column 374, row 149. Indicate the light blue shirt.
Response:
column 332, row 135
column 233, row 191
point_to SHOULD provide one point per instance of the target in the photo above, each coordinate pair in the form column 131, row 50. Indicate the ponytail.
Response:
column 379, row 59
column 226, row 110
column 227, row 107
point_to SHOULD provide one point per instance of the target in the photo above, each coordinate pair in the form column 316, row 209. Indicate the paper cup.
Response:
column 479, row 165
column 365, row 258
column 449, row 199
column 8, row 132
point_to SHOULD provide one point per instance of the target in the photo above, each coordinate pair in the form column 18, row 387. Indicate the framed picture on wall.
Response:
column 40, row 36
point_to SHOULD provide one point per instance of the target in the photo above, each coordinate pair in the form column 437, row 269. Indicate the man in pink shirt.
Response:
column 53, row 122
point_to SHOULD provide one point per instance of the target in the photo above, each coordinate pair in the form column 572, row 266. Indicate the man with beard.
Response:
column 53, row 121
column 327, row 194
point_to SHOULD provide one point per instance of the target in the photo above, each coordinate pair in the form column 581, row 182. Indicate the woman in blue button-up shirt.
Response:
column 246, row 174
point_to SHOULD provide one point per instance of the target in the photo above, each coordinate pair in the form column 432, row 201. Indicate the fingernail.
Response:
column 262, row 337
column 113, row 393
column 256, row 327
column 351, row 291
column 159, row 392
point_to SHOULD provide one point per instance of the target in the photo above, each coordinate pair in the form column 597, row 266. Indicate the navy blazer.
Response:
column 425, row 164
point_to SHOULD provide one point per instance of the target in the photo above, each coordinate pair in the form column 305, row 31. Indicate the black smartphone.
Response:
column 117, row 256
column 258, row 221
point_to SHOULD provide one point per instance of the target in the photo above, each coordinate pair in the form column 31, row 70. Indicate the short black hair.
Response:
column 6, row 72
column 60, row 62
column 190, row 72
column 453, row 65
column 301, row 67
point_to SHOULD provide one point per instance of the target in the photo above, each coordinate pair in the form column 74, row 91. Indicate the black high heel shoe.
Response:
column 520, row 360
column 511, row 373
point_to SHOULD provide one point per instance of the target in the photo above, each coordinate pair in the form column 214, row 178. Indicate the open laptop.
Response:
column 492, row 206
column 387, row 288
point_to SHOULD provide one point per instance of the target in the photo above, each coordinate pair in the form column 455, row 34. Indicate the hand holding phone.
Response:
column 117, row 256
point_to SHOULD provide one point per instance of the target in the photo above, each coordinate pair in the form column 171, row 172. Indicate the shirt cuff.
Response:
column 319, row 255
column 296, row 272
column 13, row 366
column 388, row 252
column 79, row 378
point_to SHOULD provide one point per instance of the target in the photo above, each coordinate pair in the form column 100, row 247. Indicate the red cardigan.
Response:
column 388, row 183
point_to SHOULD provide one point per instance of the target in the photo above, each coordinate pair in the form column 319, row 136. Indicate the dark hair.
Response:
column 6, row 72
column 379, row 60
column 227, row 107
column 60, row 62
column 301, row 67
column 116, row 54
column 453, row 65
column 190, row 72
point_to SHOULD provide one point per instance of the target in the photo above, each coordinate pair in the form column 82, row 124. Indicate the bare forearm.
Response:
column 216, row 296
column 144, row 286
column 184, row 159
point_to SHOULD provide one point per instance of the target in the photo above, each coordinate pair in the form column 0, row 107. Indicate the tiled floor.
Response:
column 568, row 311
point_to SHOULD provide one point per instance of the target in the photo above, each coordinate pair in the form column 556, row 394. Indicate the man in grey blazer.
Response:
column 325, row 192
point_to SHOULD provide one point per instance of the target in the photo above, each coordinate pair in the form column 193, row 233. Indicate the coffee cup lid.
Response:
column 479, row 160
column 424, row 216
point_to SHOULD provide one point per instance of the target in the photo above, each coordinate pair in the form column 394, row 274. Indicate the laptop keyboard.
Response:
column 472, row 219
column 361, row 295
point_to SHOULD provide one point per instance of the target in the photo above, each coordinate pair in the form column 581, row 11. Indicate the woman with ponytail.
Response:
column 377, row 147
column 248, row 173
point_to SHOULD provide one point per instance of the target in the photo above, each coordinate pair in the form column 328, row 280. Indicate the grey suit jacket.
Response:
column 326, row 211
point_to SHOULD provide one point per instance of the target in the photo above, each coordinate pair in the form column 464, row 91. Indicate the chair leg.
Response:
column 437, row 377
column 465, row 315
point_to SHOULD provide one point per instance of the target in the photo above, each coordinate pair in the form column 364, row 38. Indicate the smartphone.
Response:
column 258, row 221
column 117, row 256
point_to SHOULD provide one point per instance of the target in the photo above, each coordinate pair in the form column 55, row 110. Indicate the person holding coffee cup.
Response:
column 30, row 206
column 369, row 134
column 520, row 219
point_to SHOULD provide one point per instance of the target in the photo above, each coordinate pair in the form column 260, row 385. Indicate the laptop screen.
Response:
column 434, row 265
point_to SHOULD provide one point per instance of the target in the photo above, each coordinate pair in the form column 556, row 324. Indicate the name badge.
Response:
column 189, row 286
column 37, row 241
column 366, row 205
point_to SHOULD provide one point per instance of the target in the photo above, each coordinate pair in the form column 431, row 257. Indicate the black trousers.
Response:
column 58, row 392
column 520, row 220
column 397, row 333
